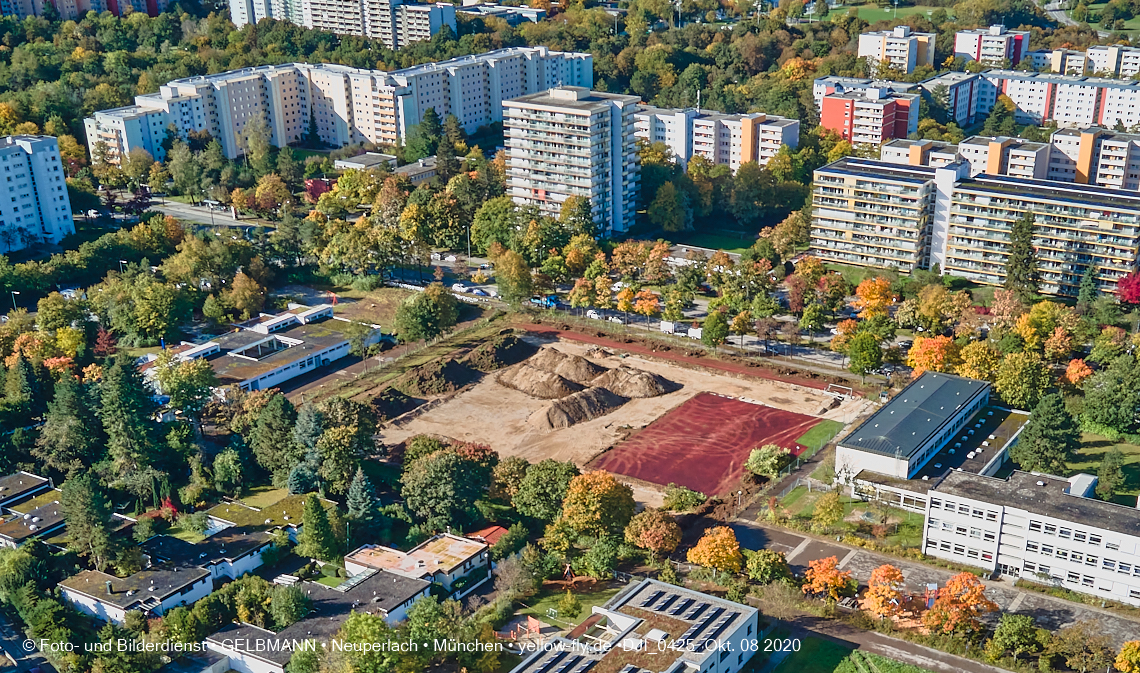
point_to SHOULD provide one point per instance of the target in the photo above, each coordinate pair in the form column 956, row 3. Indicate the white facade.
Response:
column 84, row 591
column 721, row 138
column 1072, row 101
column 961, row 95
column 903, row 49
column 37, row 208
column 393, row 22
column 571, row 141
column 348, row 105
column 993, row 46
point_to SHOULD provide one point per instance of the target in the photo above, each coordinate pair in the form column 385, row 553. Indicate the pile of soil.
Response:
column 570, row 367
column 391, row 403
column 630, row 382
column 537, row 382
column 503, row 350
column 582, row 406
column 438, row 377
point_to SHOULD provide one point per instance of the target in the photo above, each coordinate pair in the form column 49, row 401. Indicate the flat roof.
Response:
column 903, row 425
column 316, row 336
column 126, row 592
column 880, row 170
column 444, row 552
column 587, row 101
column 285, row 512
column 14, row 487
column 1051, row 190
column 33, row 523
column 228, row 544
column 369, row 159
column 1022, row 491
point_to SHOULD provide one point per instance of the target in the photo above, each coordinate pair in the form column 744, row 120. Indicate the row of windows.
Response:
column 964, row 509
column 961, row 550
column 1069, row 534
column 1079, row 557
column 958, row 529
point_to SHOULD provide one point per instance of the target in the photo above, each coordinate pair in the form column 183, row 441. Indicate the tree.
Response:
column 317, row 539
column 228, row 472
column 1084, row 646
column 1021, row 267
column 597, row 505
column 127, row 406
column 543, row 489
column 340, row 453
column 883, row 597
column 1022, row 379
column 569, row 606
column 865, row 353
column 1110, row 474
column 1089, row 288
column 646, row 303
column 767, row 460
column 358, row 631
column 823, row 576
column 653, row 530
column 873, row 297
column 71, row 437
column 714, row 329
column 246, row 295
column 427, row 314
column 308, row 427
column 1128, row 288
column 1050, row 438
column 1016, row 634
column 766, row 566
column 1076, row 372
column 271, row 438
column 1128, row 661
column 979, row 361
column 828, row 510
column 959, row 605
column 939, row 354
column 188, row 383
column 514, row 278
column 668, row 209
column 289, row 605
column 288, row 169
column 255, row 139
column 440, row 491
column 717, row 549
column 87, row 512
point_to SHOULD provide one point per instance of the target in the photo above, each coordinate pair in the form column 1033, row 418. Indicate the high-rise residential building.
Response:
column 723, row 139
column 870, row 116
column 994, row 156
column 1069, row 100
column 1114, row 60
column 394, row 22
column 77, row 9
column 993, row 46
column 901, row 48
column 1062, row 61
column 874, row 213
column 347, row 105
column 571, row 141
column 955, row 92
column 35, row 208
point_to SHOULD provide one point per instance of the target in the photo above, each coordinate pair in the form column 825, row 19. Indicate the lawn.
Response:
column 816, row 655
column 548, row 599
column 1091, row 454
column 184, row 534
column 853, row 274
column 377, row 307
column 905, row 531
column 264, row 496
column 724, row 242
column 331, row 582
column 819, row 435
column 873, row 13
column 1129, row 24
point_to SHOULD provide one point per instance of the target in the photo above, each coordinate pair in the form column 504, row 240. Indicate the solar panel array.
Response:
column 716, row 630
column 561, row 662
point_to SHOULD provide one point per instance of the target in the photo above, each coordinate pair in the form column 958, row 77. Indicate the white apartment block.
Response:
column 348, row 105
column 1114, row 61
column 723, row 139
column 1063, row 61
column 35, row 208
column 393, row 22
column 993, row 46
column 570, row 141
column 77, row 9
column 902, row 49
column 1069, row 100
column 994, row 156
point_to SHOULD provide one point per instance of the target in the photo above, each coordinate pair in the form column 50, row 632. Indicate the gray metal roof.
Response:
column 916, row 414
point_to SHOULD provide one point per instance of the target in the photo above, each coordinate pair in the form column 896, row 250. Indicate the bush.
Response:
column 681, row 499
column 329, row 570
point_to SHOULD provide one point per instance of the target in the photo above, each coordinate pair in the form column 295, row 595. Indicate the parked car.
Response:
column 548, row 301
column 614, row 318
column 617, row 287
column 486, row 266
column 460, row 287
column 593, row 315
column 477, row 292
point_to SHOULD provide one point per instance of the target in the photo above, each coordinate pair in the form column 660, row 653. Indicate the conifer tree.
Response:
column 126, row 411
column 272, row 437
column 362, row 500
column 88, row 515
column 71, row 437
column 309, row 426
column 317, row 539
column 1021, row 273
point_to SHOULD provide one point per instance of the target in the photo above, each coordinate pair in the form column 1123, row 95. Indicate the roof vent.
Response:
column 925, row 478
column 1040, row 483
column 937, row 466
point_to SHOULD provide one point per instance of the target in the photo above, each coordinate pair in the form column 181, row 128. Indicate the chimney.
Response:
column 109, row 592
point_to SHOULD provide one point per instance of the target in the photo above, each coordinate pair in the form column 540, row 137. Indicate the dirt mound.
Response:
column 631, row 382
column 391, row 403
column 439, row 377
column 537, row 382
column 571, row 367
column 501, row 351
column 582, row 406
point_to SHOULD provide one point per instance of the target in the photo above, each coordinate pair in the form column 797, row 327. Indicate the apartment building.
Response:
column 956, row 91
column 870, row 116
column 723, row 139
column 1069, row 100
column 995, row 156
column 874, row 213
column 1113, row 60
column 933, row 153
column 994, row 46
column 348, row 105
column 393, row 22
column 571, row 141
column 37, row 208
column 903, row 49
column 1063, row 61
column 514, row 16
column 77, row 9
column 1096, row 156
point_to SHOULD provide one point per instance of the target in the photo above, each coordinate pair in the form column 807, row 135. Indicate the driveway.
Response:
column 1051, row 613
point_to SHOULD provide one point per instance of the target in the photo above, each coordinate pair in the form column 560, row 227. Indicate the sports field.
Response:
column 702, row 444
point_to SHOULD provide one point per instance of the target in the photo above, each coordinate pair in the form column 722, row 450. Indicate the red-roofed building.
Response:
column 489, row 536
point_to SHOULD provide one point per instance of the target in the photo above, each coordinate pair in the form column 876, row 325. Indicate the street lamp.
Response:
column 121, row 263
column 14, row 293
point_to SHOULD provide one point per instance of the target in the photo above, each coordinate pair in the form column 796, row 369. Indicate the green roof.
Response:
column 284, row 512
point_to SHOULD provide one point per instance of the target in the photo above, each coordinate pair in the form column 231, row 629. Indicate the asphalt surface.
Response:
column 12, row 642
column 1058, row 14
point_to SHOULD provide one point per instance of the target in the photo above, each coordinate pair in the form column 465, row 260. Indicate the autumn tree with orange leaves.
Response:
column 646, row 303
column 873, row 297
column 1076, row 373
column 717, row 549
column 959, row 605
column 824, row 577
column 939, row 354
column 884, row 593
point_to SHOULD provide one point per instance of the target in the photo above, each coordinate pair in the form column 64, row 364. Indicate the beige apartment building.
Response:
column 571, row 141
column 900, row 47
column 393, row 22
column 723, row 139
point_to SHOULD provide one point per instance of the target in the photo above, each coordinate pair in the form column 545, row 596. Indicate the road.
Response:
column 1057, row 13
column 12, row 643
column 203, row 215
column 1051, row 613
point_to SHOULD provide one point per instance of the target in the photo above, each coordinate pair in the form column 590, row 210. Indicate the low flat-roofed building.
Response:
column 365, row 162
column 654, row 626
column 919, row 152
column 37, row 517
column 444, row 559
column 228, row 553
column 419, row 171
column 153, row 591
column 20, row 486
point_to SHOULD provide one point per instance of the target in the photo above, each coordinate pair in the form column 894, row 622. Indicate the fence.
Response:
column 812, row 485
column 419, row 288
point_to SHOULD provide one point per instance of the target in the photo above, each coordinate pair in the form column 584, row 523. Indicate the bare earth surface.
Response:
column 496, row 415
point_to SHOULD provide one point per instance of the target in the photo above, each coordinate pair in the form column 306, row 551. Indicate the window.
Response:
column 1078, row 557
column 1090, row 561
column 974, row 532
column 1094, row 540
column 1079, row 536
column 988, row 536
column 1114, row 546
column 1046, row 550
column 959, row 549
column 1108, row 565
column 1087, row 581
column 1124, row 568
column 1062, row 554
column 1050, row 529
column 1074, row 577
column 1035, row 526
column 1030, row 566
column 991, row 516
column 1031, row 546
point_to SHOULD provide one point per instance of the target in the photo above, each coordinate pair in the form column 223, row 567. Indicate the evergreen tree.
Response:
column 453, row 130
column 309, row 426
column 1021, row 273
column 126, row 411
column 302, row 479
column 21, row 389
column 272, row 436
column 1049, row 440
column 288, row 168
column 317, row 539
column 71, row 437
column 431, row 127
column 87, row 513
column 1110, row 475
column 446, row 165
column 1089, row 290
column 362, row 500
